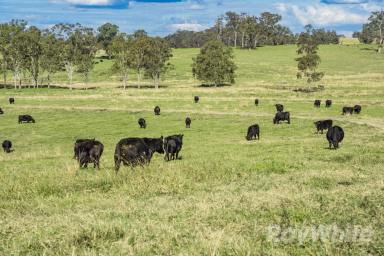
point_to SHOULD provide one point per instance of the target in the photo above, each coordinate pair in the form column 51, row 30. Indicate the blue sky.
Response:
column 161, row 17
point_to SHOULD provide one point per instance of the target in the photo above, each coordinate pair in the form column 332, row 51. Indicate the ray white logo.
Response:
column 320, row 233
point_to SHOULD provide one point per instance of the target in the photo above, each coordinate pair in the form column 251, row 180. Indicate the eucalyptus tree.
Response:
column 156, row 59
column 121, row 50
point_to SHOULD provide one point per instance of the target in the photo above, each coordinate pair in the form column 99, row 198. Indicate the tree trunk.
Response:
column 235, row 39
column 49, row 80
column 125, row 80
column 242, row 40
column 15, row 79
column 138, row 78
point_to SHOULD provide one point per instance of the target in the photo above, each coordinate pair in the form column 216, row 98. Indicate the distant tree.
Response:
column 309, row 60
column 121, row 49
column 52, row 58
column 7, row 32
column 214, row 64
column 219, row 27
column 374, row 30
column 16, row 57
column 106, row 33
column 85, row 50
column 140, row 33
column 139, row 50
column 32, row 53
column 233, row 23
column 156, row 59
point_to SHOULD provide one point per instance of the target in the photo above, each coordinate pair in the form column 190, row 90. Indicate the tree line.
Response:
column 247, row 31
column 35, row 55
column 373, row 31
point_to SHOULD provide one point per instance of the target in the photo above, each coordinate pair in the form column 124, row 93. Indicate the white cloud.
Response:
column 187, row 26
column 322, row 14
column 89, row 2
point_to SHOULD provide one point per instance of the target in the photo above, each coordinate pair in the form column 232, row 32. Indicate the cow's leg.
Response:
column 330, row 145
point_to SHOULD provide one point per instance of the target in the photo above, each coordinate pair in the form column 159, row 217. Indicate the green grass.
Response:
column 225, row 192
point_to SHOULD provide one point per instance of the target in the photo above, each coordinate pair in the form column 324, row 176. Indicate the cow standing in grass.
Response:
column 328, row 103
column 157, row 110
column 11, row 101
column 357, row 109
column 253, row 132
column 89, row 151
column 137, row 151
column 26, row 119
column 188, row 122
column 196, row 99
column 7, row 146
column 335, row 136
column 282, row 116
column 317, row 103
column 347, row 110
column 173, row 145
column 142, row 123
column 256, row 102
column 323, row 125
column 279, row 108
column 1, row 112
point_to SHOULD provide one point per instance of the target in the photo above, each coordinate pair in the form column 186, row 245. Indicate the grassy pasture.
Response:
column 225, row 192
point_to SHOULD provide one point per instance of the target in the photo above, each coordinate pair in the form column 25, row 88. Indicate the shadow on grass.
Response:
column 213, row 86
column 141, row 87
column 11, row 86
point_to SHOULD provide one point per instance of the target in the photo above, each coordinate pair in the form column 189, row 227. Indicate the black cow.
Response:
column 142, row 123
column 89, row 151
column 256, row 102
column 77, row 145
column 323, row 125
column 335, row 135
column 188, row 122
column 26, row 119
column 7, row 146
column 172, row 146
column 347, row 110
column 357, row 109
column 253, row 132
column 1, row 111
column 282, row 116
column 196, row 99
column 328, row 103
column 157, row 110
column 317, row 103
column 137, row 151
column 11, row 101
column 279, row 108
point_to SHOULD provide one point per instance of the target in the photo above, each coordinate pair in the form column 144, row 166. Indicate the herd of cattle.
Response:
column 139, row 151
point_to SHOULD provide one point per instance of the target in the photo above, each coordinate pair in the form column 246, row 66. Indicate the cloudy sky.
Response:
column 161, row 17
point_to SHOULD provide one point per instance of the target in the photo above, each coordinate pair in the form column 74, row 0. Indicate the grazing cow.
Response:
column 157, row 110
column 256, row 102
column 142, row 123
column 172, row 146
column 76, row 147
column 26, row 119
column 328, row 103
column 279, row 108
column 335, row 135
column 347, row 110
column 1, row 111
column 317, row 103
column 323, row 125
column 7, row 146
column 196, row 99
column 253, row 132
column 137, row 151
column 11, row 101
column 89, row 151
column 188, row 122
column 282, row 116
column 357, row 109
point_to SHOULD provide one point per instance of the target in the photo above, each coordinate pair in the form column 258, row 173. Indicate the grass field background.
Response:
column 224, row 193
